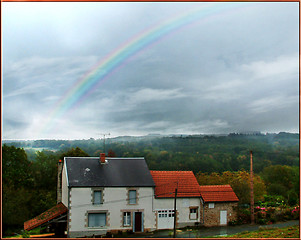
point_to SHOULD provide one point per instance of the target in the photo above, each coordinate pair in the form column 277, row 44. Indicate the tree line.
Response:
column 195, row 152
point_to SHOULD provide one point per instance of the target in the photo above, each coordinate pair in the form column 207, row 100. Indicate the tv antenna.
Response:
column 104, row 140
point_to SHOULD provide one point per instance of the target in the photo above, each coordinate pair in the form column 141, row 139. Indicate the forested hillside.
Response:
column 196, row 152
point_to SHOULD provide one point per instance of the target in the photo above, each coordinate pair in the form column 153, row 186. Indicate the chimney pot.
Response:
column 102, row 158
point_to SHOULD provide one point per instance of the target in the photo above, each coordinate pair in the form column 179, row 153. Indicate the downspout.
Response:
column 203, row 213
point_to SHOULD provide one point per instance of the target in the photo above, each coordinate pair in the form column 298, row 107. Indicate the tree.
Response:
column 15, row 166
column 16, row 180
column 77, row 152
column 239, row 181
column 282, row 180
column 111, row 153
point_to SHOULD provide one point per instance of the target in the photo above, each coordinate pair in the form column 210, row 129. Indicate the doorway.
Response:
column 138, row 221
column 223, row 217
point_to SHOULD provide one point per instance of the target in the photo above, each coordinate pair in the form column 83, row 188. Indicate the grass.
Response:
column 287, row 232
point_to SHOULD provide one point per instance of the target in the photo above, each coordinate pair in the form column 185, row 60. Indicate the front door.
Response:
column 138, row 221
column 223, row 217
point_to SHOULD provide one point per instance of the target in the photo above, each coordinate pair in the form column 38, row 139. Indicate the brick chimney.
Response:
column 59, row 181
column 102, row 158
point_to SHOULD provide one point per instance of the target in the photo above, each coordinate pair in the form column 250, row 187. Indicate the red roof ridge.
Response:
column 216, row 185
column 169, row 171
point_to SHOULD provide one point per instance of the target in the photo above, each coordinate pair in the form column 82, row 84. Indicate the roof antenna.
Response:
column 104, row 140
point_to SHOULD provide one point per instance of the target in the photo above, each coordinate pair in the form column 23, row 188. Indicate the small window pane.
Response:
column 193, row 210
column 132, row 197
column 211, row 205
column 97, row 219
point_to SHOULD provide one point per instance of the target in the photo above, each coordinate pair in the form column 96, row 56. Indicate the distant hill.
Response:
column 208, row 153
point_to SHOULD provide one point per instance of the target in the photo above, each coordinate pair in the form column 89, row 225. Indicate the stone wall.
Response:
column 211, row 216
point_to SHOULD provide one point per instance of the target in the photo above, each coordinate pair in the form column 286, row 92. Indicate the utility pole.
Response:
column 175, row 213
column 251, row 188
column 104, row 140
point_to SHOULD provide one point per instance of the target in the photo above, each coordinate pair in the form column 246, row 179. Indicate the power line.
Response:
column 126, row 199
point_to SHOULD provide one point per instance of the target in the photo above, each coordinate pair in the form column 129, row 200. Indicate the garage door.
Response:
column 165, row 218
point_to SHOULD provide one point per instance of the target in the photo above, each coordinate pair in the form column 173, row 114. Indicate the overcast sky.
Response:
column 234, row 70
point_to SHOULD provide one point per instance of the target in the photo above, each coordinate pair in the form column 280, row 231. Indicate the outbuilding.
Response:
column 218, row 205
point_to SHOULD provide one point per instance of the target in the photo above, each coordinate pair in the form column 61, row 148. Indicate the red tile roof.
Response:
column 45, row 216
column 218, row 193
column 167, row 181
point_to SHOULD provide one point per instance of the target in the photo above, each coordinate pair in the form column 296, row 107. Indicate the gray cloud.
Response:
column 234, row 71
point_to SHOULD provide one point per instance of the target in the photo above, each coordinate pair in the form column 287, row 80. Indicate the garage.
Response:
column 165, row 218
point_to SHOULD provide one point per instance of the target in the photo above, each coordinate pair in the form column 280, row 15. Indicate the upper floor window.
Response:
column 97, row 197
column 211, row 205
column 132, row 196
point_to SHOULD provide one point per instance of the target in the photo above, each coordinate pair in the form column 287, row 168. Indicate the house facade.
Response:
column 218, row 205
column 107, row 195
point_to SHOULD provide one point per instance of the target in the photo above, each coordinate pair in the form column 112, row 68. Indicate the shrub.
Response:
column 25, row 234
column 262, row 221
column 233, row 223
column 296, row 213
column 244, row 216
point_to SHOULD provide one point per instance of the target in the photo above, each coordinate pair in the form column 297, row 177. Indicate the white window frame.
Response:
column 127, row 217
column 211, row 205
column 193, row 215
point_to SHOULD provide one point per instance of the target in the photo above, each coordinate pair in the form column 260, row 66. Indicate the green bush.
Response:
column 244, row 216
column 262, row 221
column 25, row 234
column 233, row 223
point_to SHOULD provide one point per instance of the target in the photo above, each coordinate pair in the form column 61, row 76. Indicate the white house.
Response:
column 107, row 195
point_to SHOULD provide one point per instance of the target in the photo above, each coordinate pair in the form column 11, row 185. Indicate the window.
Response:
column 127, row 219
column 166, row 213
column 211, row 205
column 193, row 213
column 132, row 196
column 97, row 219
column 97, row 197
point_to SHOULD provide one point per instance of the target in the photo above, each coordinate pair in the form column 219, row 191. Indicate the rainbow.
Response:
column 119, row 57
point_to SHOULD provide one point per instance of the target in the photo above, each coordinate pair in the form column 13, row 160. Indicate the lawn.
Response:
column 287, row 232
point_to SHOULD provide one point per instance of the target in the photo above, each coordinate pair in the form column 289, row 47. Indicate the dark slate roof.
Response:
column 117, row 172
